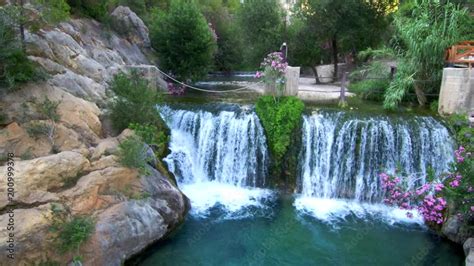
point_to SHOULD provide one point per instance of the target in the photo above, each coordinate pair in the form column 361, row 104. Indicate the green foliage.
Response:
column 350, row 25
column 305, row 44
column 151, row 135
column 134, row 102
column 37, row 129
column 464, row 134
column 424, row 36
column 370, row 81
column 97, row 9
column 183, row 40
column 376, row 54
column 49, row 109
column 15, row 67
column 132, row 154
column 261, row 22
column 279, row 120
column 54, row 11
column 71, row 231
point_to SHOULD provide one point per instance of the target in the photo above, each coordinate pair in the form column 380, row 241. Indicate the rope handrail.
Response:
column 204, row 90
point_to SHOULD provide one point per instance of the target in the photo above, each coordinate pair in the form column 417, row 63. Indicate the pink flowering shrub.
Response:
column 431, row 199
column 273, row 73
column 175, row 89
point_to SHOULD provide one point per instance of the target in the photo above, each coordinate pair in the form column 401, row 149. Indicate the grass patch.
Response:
column 71, row 231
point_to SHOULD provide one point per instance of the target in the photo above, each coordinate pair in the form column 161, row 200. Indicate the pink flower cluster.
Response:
column 432, row 208
column 460, row 153
column 395, row 192
column 273, row 62
column 455, row 180
column 175, row 89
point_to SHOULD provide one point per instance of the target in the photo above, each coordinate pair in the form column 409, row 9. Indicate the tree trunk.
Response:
column 315, row 73
column 22, row 25
column 334, row 56
column 420, row 94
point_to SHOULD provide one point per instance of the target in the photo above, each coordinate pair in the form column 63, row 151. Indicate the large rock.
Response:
column 37, row 179
column 74, row 112
column 128, row 227
column 127, row 23
column 451, row 228
column 14, row 139
column 32, row 240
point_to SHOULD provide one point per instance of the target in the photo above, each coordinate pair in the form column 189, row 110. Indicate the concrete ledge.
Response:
column 457, row 91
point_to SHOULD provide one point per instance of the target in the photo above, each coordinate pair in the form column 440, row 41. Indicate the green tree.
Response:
column 54, row 11
column 262, row 27
column 134, row 102
column 347, row 25
column 183, row 40
column 220, row 15
column 423, row 38
column 15, row 67
column 305, row 46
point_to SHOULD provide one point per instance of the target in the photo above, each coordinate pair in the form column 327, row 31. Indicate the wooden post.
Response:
column 393, row 71
column 342, row 97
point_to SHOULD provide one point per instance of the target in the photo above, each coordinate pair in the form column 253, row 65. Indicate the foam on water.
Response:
column 336, row 210
column 236, row 202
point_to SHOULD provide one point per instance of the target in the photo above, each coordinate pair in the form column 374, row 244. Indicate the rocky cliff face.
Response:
column 78, row 168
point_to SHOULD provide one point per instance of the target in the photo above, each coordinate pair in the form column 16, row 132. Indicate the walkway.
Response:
column 309, row 91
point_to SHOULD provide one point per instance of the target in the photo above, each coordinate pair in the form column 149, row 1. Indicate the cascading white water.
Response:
column 342, row 156
column 218, row 158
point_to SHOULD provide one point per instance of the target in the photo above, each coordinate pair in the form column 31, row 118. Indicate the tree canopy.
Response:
column 183, row 40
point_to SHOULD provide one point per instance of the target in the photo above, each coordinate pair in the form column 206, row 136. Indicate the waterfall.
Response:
column 219, row 158
column 342, row 155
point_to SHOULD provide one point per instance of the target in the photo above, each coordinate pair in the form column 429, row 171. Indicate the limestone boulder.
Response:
column 468, row 246
column 105, row 147
column 128, row 227
column 32, row 240
column 75, row 113
column 37, row 179
column 14, row 139
column 127, row 23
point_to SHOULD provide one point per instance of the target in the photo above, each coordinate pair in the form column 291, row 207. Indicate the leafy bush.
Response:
column 133, row 154
column 279, row 120
column 49, row 109
column 54, row 11
column 151, row 135
column 134, row 102
column 370, row 81
column 38, row 129
column 183, row 40
column 97, row 9
column 71, row 231
column 463, row 133
column 15, row 67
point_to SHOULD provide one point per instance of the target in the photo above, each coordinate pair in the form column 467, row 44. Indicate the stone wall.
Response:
column 457, row 91
column 292, row 81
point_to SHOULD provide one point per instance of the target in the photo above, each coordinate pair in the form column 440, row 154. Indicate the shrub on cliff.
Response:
column 183, row 40
column 15, row 67
column 133, row 154
column 151, row 135
column 134, row 102
column 70, row 231
column 279, row 119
